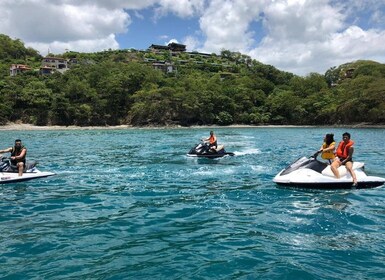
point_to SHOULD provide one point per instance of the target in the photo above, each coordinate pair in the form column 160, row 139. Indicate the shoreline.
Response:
column 23, row 126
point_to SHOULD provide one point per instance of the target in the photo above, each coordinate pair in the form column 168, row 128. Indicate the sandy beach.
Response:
column 23, row 126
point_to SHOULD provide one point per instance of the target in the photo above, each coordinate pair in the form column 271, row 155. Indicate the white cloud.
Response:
column 300, row 36
column 92, row 45
column 111, row 4
column 172, row 41
column 62, row 25
column 182, row 8
column 192, row 43
column 226, row 24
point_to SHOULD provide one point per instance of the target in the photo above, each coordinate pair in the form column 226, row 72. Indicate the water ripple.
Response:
column 122, row 208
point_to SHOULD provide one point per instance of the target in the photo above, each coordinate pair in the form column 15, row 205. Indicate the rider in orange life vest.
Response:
column 344, row 156
column 18, row 155
column 212, row 141
column 327, row 148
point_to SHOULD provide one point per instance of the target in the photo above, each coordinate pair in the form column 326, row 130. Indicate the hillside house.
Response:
column 177, row 47
column 46, row 70
column 158, row 48
column 164, row 67
column 18, row 68
column 349, row 73
column 172, row 47
column 59, row 64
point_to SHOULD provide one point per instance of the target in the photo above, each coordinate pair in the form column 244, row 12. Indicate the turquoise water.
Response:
column 128, row 204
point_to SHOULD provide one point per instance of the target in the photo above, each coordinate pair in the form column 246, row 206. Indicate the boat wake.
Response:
column 248, row 152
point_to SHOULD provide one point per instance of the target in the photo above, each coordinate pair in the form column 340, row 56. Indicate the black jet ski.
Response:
column 9, row 172
column 203, row 150
column 312, row 173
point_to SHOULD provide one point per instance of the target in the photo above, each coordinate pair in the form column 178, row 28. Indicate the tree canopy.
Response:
column 122, row 87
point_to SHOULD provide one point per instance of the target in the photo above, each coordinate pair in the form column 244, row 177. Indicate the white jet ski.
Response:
column 312, row 173
column 9, row 173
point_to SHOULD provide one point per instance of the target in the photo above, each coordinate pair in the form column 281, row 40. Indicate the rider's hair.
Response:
column 329, row 138
column 346, row 134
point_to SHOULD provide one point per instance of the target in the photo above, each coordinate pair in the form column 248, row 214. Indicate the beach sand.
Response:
column 23, row 126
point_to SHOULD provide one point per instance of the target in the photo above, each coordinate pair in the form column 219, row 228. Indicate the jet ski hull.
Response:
column 331, row 186
column 12, row 177
column 9, row 174
column 211, row 155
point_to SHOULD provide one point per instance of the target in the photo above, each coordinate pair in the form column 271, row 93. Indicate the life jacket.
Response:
column 15, row 153
column 343, row 149
column 213, row 140
column 328, row 154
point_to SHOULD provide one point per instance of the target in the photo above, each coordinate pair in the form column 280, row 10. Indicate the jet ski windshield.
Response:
column 304, row 162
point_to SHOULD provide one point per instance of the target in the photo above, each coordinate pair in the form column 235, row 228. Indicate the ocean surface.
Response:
column 129, row 204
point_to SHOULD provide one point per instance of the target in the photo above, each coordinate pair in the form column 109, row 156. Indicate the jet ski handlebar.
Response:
column 315, row 155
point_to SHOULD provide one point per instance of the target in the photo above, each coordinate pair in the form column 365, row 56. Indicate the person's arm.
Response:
column 331, row 148
column 6, row 150
column 350, row 156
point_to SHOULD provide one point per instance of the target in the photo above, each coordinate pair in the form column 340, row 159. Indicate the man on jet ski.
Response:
column 344, row 157
column 213, row 145
column 18, row 155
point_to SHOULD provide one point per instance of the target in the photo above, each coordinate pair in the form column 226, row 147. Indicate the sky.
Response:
column 298, row 36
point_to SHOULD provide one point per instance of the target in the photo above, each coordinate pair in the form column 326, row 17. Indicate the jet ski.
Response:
column 9, row 172
column 312, row 173
column 202, row 149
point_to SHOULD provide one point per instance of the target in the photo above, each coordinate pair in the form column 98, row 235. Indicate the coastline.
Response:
column 24, row 126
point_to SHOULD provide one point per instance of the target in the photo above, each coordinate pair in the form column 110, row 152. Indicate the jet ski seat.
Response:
column 342, row 169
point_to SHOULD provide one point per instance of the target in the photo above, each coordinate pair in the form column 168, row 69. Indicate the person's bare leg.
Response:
column 334, row 167
column 20, row 166
column 349, row 167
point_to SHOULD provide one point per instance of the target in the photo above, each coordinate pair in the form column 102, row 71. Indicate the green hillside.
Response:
column 123, row 87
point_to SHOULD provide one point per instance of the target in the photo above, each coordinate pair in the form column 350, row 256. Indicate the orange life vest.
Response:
column 212, row 139
column 343, row 149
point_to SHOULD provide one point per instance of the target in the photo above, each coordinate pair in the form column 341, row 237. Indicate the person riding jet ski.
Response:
column 209, row 148
column 212, row 140
column 344, row 157
column 327, row 148
column 312, row 173
column 18, row 155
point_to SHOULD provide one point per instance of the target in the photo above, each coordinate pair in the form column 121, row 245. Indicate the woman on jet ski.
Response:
column 344, row 157
column 327, row 148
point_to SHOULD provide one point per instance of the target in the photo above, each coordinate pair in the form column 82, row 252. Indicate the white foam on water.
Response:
column 259, row 168
column 251, row 151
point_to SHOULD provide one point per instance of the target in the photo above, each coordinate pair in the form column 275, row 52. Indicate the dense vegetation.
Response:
column 121, row 87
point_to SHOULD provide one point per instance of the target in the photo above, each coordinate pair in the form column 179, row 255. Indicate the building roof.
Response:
column 21, row 66
column 159, row 47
